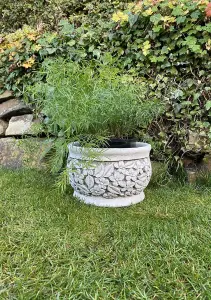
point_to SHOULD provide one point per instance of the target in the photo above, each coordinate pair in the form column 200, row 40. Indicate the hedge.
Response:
column 48, row 13
column 163, row 41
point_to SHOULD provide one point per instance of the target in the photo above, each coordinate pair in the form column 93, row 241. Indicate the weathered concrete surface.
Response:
column 17, row 153
column 3, row 127
column 6, row 96
column 13, row 107
column 20, row 125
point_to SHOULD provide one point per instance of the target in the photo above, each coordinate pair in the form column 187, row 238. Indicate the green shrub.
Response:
column 167, row 43
column 23, row 51
column 16, row 14
column 91, row 106
column 172, row 39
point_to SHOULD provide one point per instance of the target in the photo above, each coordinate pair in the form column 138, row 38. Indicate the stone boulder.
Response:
column 20, row 125
column 3, row 127
column 17, row 153
column 13, row 107
column 6, row 96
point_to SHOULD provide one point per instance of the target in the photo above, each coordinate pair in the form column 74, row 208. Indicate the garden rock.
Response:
column 6, row 96
column 3, row 127
column 20, row 125
column 12, row 108
column 17, row 153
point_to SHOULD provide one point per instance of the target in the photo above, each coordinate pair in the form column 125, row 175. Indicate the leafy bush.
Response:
column 90, row 106
column 172, row 39
column 94, row 104
column 163, row 36
column 19, row 57
column 23, row 52
column 165, row 42
column 15, row 14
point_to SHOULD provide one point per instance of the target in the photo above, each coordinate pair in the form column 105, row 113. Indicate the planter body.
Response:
column 116, row 177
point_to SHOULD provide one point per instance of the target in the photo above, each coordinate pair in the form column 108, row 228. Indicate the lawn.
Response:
column 54, row 247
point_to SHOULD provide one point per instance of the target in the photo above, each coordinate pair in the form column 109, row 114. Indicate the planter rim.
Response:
column 139, row 150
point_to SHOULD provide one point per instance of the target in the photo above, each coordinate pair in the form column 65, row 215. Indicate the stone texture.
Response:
column 191, row 176
column 13, row 107
column 3, row 127
column 193, row 138
column 17, row 153
column 104, row 180
column 20, row 125
column 6, row 96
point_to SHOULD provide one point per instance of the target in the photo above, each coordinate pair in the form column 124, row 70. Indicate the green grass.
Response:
column 54, row 247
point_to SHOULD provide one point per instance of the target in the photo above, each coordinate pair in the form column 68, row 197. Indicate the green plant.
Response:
column 203, row 180
column 23, row 52
column 92, row 105
column 165, row 43
column 47, row 14
column 172, row 39
column 82, row 101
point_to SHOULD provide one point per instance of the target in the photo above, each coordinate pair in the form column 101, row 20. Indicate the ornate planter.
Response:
column 115, row 178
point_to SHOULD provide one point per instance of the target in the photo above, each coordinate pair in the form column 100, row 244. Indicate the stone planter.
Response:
column 115, row 178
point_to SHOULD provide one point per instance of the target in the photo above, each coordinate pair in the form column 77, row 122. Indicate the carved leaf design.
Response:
column 111, row 195
column 112, row 178
column 130, row 184
column 128, row 193
column 116, row 165
column 121, row 170
column 142, row 177
column 122, row 183
column 108, row 170
column 99, row 171
column 89, row 181
column 121, row 164
column 118, row 176
column 140, row 182
column 85, row 172
column 83, row 189
column 105, row 181
column 130, row 164
column 138, row 186
column 114, row 189
column 140, row 163
column 133, row 172
column 145, row 168
column 98, row 193
column 90, row 172
column 98, row 190
column 77, row 164
column 105, row 195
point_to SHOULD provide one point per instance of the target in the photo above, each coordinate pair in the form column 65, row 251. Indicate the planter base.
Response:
column 115, row 202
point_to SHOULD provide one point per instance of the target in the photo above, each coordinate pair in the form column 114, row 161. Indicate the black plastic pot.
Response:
column 120, row 143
